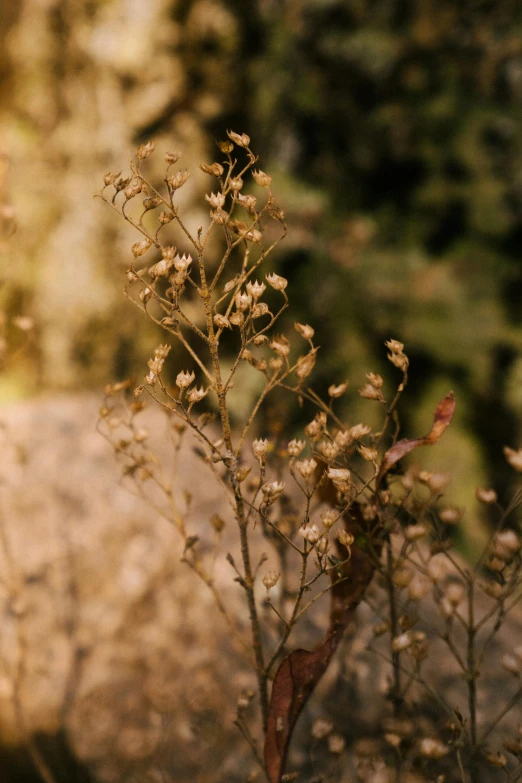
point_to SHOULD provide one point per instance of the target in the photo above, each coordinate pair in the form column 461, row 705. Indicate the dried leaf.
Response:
column 301, row 670
column 443, row 416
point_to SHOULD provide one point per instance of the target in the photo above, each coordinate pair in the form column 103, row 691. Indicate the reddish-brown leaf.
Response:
column 301, row 670
column 443, row 416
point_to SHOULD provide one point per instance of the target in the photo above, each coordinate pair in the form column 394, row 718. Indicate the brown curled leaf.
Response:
column 301, row 670
column 443, row 416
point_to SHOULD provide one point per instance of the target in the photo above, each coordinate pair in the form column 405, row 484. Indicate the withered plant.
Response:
column 334, row 506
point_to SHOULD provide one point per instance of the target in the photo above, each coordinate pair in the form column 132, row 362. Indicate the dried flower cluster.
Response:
column 334, row 514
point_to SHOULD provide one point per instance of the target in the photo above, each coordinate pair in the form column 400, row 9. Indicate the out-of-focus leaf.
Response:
column 301, row 670
column 443, row 416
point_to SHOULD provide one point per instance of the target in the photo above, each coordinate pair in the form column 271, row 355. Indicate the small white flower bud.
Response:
column 237, row 318
column 270, row 579
column 322, row 545
column 221, row 321
column 370, row 392
column 280, row 345
column 243, row 301
column 329, row 449
column 172, row 157
column 375, row 379
column 242, row 473
column 295, row 447
column 402, row 642
column 276, row 281
column 162, row 351
column 236, row 183
column 343, row 438
column 216, row 200
column 403, row 576
column 241, row 139
column 514, row 458
column 314, row 430
column 329, row 518
column 260, row 448
column 451, row 515
column 145, row 295
column 397, row 357
column 486, row 495
column 433, row 748
column 255, row 289
column 438, row 567
column 418, row 588
column 358, row 431
column 254, row 236
column 219, row 216
column 505, row 544
column 340, row 478
column 272, row 491
column 249, row 202
column 337, row 391
column 139, row 248
column 310, row 533
column 184, row 379
column 261, row 178
column 345, row 538
column 177, row 180
column 182, row 263
column 437, row 482
column 216, row 169
column 416, row 532
column 305, row 365
column 370, row 455
column 304, row 330
column 144, row 150
column 259, row 309
column 306, row 468
column 455, row 593
column 195, row 395
column 321, row 728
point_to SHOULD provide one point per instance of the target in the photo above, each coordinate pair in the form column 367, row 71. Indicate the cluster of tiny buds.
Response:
column 372, row 389
column 397, row 356
column 340, row 478
column 156, row 364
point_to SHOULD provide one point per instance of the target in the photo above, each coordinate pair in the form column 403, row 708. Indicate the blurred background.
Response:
column 393, row 131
